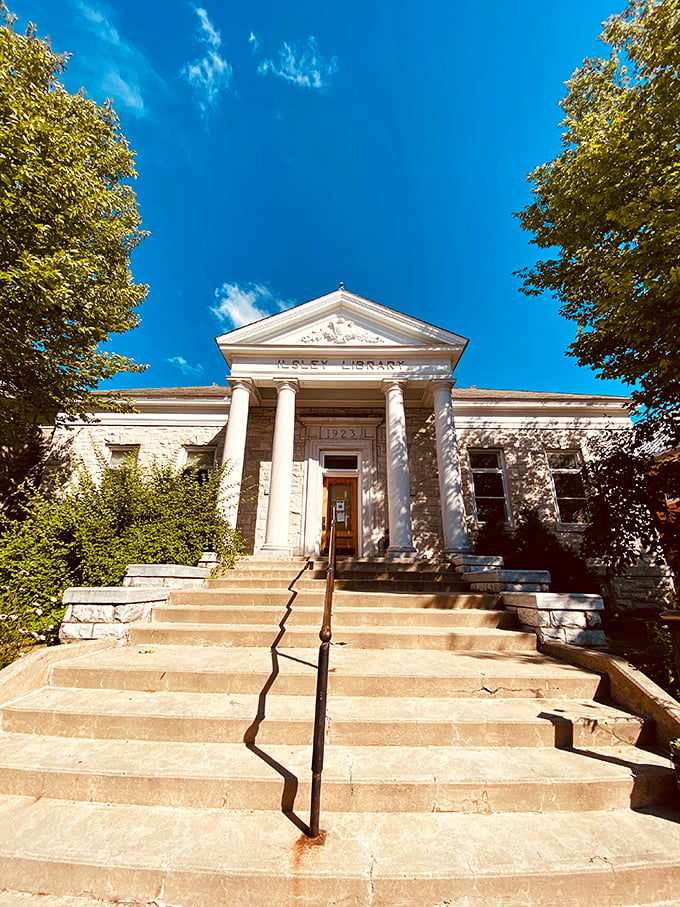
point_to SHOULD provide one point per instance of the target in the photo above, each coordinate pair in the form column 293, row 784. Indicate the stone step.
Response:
column 343, row 616
column 351, row 721
column 368, row 779
column 204, row 858
column 445, row 586
column 354, row 672
column 225, row 596
column 425, row 638
column 247, row 582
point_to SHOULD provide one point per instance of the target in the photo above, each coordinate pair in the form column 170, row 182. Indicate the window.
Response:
column 570, row 493
column 488, row 482
column 119, row 453
column 200, row 462
column 347, row 462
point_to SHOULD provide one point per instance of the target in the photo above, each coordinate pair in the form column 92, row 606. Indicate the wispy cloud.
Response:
column 253, row 40
column 305, row 68
column 211, row 74
column 184, row 367
column 241, row 305
column 118, row 68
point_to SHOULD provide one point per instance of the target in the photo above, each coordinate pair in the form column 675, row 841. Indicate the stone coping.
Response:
column 174, row 570
column 507, row 576
column 554, row 601
column 114, row 595
column 628, row 686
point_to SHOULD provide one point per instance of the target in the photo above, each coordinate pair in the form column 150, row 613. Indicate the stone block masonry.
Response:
column 559, row 617
column 107, row 611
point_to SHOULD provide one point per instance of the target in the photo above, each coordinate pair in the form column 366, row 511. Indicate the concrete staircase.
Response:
column 462, row 767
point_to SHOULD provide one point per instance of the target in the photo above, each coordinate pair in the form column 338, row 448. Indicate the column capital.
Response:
column 388, row 384
column 245, row 383
column 292, row 384
column 442, row 384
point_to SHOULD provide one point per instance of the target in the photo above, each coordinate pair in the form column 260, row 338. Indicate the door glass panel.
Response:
column 341, row 492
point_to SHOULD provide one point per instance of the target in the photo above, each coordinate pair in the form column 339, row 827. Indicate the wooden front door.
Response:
column 343, row 490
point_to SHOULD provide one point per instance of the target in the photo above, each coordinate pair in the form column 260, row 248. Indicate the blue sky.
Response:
column 285, row 147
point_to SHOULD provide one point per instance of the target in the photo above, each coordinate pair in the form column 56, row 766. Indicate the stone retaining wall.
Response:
column 107, row 611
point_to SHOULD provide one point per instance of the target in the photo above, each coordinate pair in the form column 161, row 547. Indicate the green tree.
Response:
column 609, row 205
column 633, row 493
column 68, row 223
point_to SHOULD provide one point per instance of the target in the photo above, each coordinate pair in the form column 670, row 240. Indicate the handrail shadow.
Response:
column 290, row 780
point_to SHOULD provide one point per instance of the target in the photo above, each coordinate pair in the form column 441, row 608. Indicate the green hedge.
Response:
column 86, row 536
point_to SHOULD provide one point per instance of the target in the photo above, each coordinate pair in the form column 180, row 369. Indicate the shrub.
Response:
column 532, row 546
column 88, row 536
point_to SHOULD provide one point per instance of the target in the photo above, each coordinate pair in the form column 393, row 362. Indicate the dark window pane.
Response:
column 337, row 461
column 200, row 457
column 563, row 460
column 569, row 485
column 484, row 459
column 488, row 485
column 572, row 511
column 491, row 510
column 123, row 454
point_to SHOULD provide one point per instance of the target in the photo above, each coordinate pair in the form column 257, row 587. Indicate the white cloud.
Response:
column 118, row 68
column 305, row 68
column 209, row 33
column 241, row 305
column 211, row 74
column 184, row 367
column 253, row 39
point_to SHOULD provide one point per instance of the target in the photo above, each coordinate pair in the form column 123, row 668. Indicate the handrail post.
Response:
column 322, row 687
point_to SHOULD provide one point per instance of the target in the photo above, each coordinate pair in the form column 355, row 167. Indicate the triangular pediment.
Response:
column 340, row 320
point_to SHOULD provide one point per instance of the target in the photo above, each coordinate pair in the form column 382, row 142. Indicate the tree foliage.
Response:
column 88, row 536
column 609, row 205
column 634, row 494
column 68, row 223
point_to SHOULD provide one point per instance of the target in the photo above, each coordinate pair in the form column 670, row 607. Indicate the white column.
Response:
column 278, row 511
column 234, row 447
column 450, row 483
column 398, row 480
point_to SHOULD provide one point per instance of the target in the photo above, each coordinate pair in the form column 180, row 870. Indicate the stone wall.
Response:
column 87, row 446
column 527, row 474
column 426, row 512
column 644, row 587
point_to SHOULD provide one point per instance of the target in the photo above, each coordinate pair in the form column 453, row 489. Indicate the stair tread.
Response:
column 169, row 840
column 297, row 708
column 395, row 632
column 346, row 764
column 488, row 666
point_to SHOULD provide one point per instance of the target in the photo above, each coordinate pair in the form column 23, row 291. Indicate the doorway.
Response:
column 342, row 491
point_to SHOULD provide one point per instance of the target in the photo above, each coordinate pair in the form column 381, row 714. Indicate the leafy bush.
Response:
column 643, row 641
column 88, row 536
column 532, row 546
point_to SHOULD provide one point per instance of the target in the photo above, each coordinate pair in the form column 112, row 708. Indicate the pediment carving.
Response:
column 341, row 331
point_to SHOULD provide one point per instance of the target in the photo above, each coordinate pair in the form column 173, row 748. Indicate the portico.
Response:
column 335, row 383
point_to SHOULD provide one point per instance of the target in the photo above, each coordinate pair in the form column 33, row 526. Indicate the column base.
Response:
column 410, row 553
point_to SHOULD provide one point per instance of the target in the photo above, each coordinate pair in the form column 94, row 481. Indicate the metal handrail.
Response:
column 322, row 687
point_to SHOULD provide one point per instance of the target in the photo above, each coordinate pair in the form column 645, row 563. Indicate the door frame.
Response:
column 324, row 436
